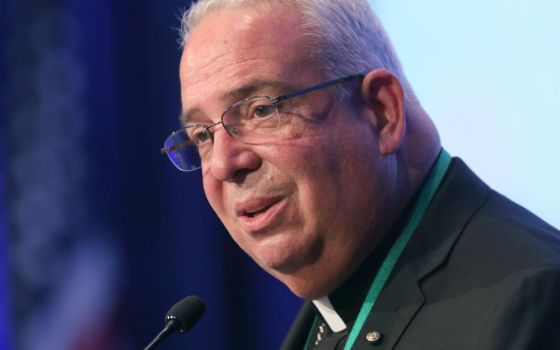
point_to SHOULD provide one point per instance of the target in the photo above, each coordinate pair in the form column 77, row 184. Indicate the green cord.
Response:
column 310, row 335
column 424, row 198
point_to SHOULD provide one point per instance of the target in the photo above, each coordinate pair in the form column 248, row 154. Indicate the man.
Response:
column 326, row 170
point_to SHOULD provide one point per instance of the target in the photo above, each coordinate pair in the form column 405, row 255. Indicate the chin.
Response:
column 305, row 281
column 286, row 253
column 280, row 264
column 305, row 287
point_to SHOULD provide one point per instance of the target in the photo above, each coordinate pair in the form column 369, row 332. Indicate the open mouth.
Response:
column 261, row 215
column 254, row 213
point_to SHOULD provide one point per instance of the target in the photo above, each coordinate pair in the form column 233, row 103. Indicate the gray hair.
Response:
column 346, row 37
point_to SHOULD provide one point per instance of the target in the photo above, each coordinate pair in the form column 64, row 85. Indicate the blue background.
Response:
column 100, row 235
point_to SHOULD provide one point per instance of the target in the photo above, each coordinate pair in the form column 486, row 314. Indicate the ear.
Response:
column 384, row 98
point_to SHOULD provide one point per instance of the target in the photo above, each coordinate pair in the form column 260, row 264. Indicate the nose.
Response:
column 231, row 159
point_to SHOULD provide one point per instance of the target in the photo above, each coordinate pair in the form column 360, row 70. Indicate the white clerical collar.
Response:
column 336, row 324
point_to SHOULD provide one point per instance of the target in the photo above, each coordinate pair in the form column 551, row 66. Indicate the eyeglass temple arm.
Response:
column 317, row 87
column 280, row 98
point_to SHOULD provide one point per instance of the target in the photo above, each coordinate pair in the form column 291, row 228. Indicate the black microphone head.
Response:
column 186, row 313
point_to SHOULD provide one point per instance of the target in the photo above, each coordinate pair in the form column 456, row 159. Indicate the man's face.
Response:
column 307, row 209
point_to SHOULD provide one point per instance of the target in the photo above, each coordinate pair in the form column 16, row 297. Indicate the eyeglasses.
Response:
column 253, row 120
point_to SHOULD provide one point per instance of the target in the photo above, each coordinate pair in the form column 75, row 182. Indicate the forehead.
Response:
column 232, row 47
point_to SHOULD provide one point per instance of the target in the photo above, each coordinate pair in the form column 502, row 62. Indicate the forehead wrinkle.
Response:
column 249, row 89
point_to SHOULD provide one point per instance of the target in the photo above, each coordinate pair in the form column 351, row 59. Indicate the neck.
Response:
column 418, row 151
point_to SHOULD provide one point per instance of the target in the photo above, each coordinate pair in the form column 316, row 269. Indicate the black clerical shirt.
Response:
column 348, row 298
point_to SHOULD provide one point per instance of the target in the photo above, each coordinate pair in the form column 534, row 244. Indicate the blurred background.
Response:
column 100, row 235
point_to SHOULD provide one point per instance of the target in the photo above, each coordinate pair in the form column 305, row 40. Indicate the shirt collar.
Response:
column 331, row 317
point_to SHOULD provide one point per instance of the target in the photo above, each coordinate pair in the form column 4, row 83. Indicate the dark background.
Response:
column 99, row 233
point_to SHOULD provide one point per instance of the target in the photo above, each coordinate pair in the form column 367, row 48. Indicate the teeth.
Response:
column 252, row 214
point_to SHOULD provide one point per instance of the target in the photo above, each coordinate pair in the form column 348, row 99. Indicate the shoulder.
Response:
column 509, row 235
column 487, row 225
column 526, row 314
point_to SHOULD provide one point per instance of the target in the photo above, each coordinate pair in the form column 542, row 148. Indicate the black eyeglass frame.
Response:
column 273, row 100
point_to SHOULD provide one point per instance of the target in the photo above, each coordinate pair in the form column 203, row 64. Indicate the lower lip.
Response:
column 264, row 221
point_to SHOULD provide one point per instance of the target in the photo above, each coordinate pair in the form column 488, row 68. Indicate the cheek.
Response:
column 215, row 195
column 317, row 174
column 339, row 179
column 213, row 190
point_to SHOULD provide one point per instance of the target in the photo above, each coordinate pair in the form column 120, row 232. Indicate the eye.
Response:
column 199, row 134
column 261, row 109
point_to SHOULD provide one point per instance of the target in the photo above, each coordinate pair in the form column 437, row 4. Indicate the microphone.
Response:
column 181, row 317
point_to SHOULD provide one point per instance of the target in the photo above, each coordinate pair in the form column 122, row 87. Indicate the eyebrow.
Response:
column 245, row 91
